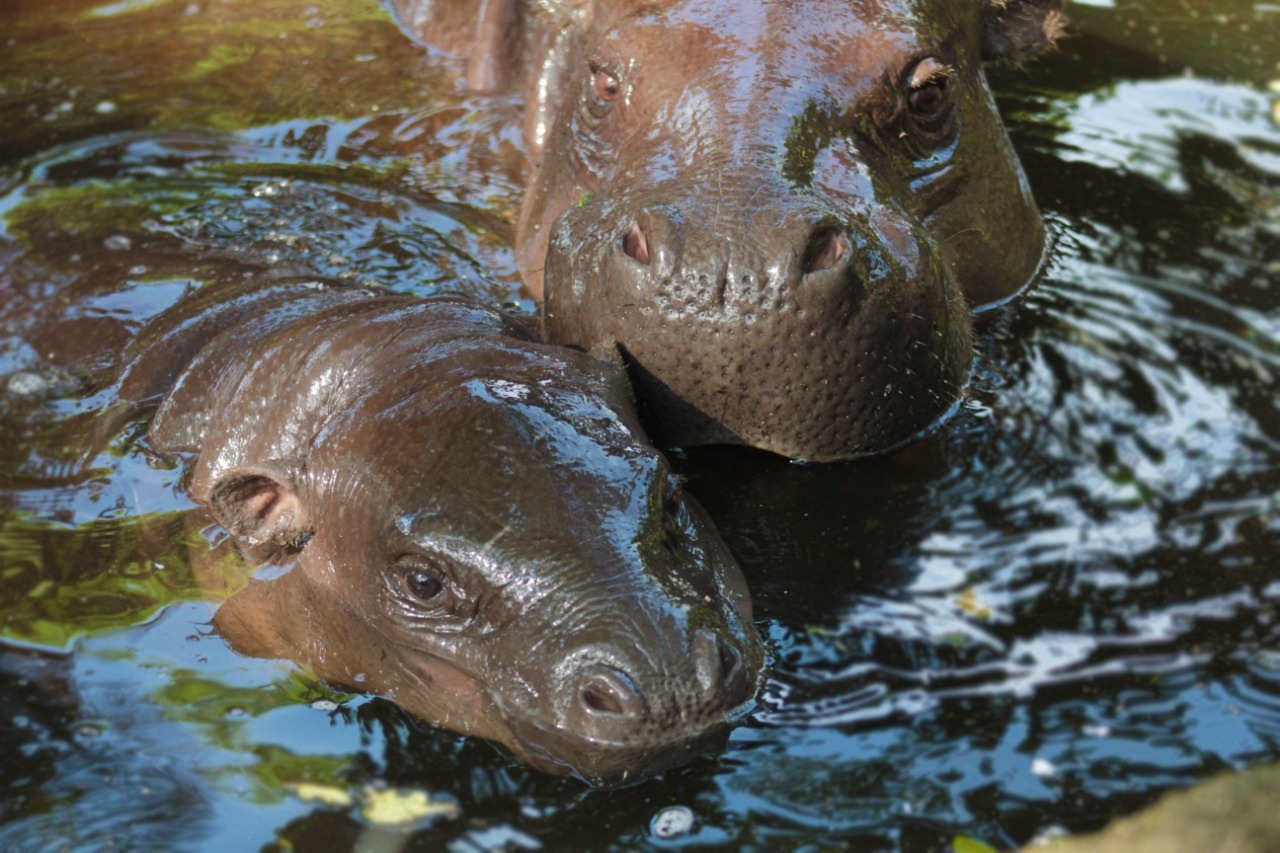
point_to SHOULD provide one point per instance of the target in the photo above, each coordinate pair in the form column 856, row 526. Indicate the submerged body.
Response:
column 473, row 522
column 781, row 212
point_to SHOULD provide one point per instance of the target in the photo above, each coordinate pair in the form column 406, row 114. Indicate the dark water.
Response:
column 1058, row 608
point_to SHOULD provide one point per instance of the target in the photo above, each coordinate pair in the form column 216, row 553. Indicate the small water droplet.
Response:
column 117, row 242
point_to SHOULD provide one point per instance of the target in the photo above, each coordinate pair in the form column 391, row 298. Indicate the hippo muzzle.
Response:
column 819, row 331
column 619, row 716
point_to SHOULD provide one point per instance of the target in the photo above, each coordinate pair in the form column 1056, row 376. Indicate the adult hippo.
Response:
column 474, row 523
column 782, row 211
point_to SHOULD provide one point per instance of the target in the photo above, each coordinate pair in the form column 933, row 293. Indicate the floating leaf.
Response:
column 390, row 807
column 327, row 794
column 965, row 844
column 969, row 602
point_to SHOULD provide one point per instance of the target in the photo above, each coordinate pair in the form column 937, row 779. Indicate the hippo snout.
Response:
column 619, row 714
column 608, row 704
column 805, row 329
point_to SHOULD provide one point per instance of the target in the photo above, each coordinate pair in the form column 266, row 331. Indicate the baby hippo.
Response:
column 474, row 523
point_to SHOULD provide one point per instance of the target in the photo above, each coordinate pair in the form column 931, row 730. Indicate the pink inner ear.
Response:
column 258, row 506
column 261, row 501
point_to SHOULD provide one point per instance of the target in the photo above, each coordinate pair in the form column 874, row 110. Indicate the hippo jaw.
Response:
column 597, row 762
column 784, row 216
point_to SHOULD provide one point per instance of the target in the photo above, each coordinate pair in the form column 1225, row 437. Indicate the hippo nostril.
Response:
column 599, row 699
column 826, row 250
column 717, row 661
column 609, row 691
column 729, row 661
column 636, row 245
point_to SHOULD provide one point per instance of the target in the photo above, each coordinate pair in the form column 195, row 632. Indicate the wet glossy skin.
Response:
column 475, row 524
column 782, row 212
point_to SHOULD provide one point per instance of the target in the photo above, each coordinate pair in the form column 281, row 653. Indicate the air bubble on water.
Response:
column 672, row 821
column 117, row 242
column 1042, row 768
column 325, row 705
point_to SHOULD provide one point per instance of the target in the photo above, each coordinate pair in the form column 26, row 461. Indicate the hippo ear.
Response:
column 1016, row 30
column 260, row 503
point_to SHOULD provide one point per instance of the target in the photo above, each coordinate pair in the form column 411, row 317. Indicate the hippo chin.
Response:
column 781, row 212
column 473, row 522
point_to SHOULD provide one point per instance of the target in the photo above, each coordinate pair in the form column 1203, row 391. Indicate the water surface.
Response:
column 1059, row 607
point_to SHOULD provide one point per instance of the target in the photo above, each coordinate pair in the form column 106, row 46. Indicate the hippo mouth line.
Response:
column 612, row 762
column 672, row 736
column 559, row 750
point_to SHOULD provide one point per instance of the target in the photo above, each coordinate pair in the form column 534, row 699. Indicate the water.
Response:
column 1058, row 608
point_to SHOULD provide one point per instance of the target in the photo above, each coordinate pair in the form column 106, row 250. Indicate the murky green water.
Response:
column 1060, row 607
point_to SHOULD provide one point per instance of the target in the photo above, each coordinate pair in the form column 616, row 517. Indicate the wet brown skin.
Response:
column 474, row 524
column 781, row 212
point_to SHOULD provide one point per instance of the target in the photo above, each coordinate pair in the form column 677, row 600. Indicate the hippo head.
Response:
column 498, row 549
column 783, row 211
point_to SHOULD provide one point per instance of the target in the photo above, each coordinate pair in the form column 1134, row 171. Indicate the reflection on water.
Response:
column 1062, row 605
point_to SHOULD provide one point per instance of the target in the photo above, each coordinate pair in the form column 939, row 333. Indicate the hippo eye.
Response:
column 607, row 87
column 422, row 585
column 927, row 88
column 930, row 99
